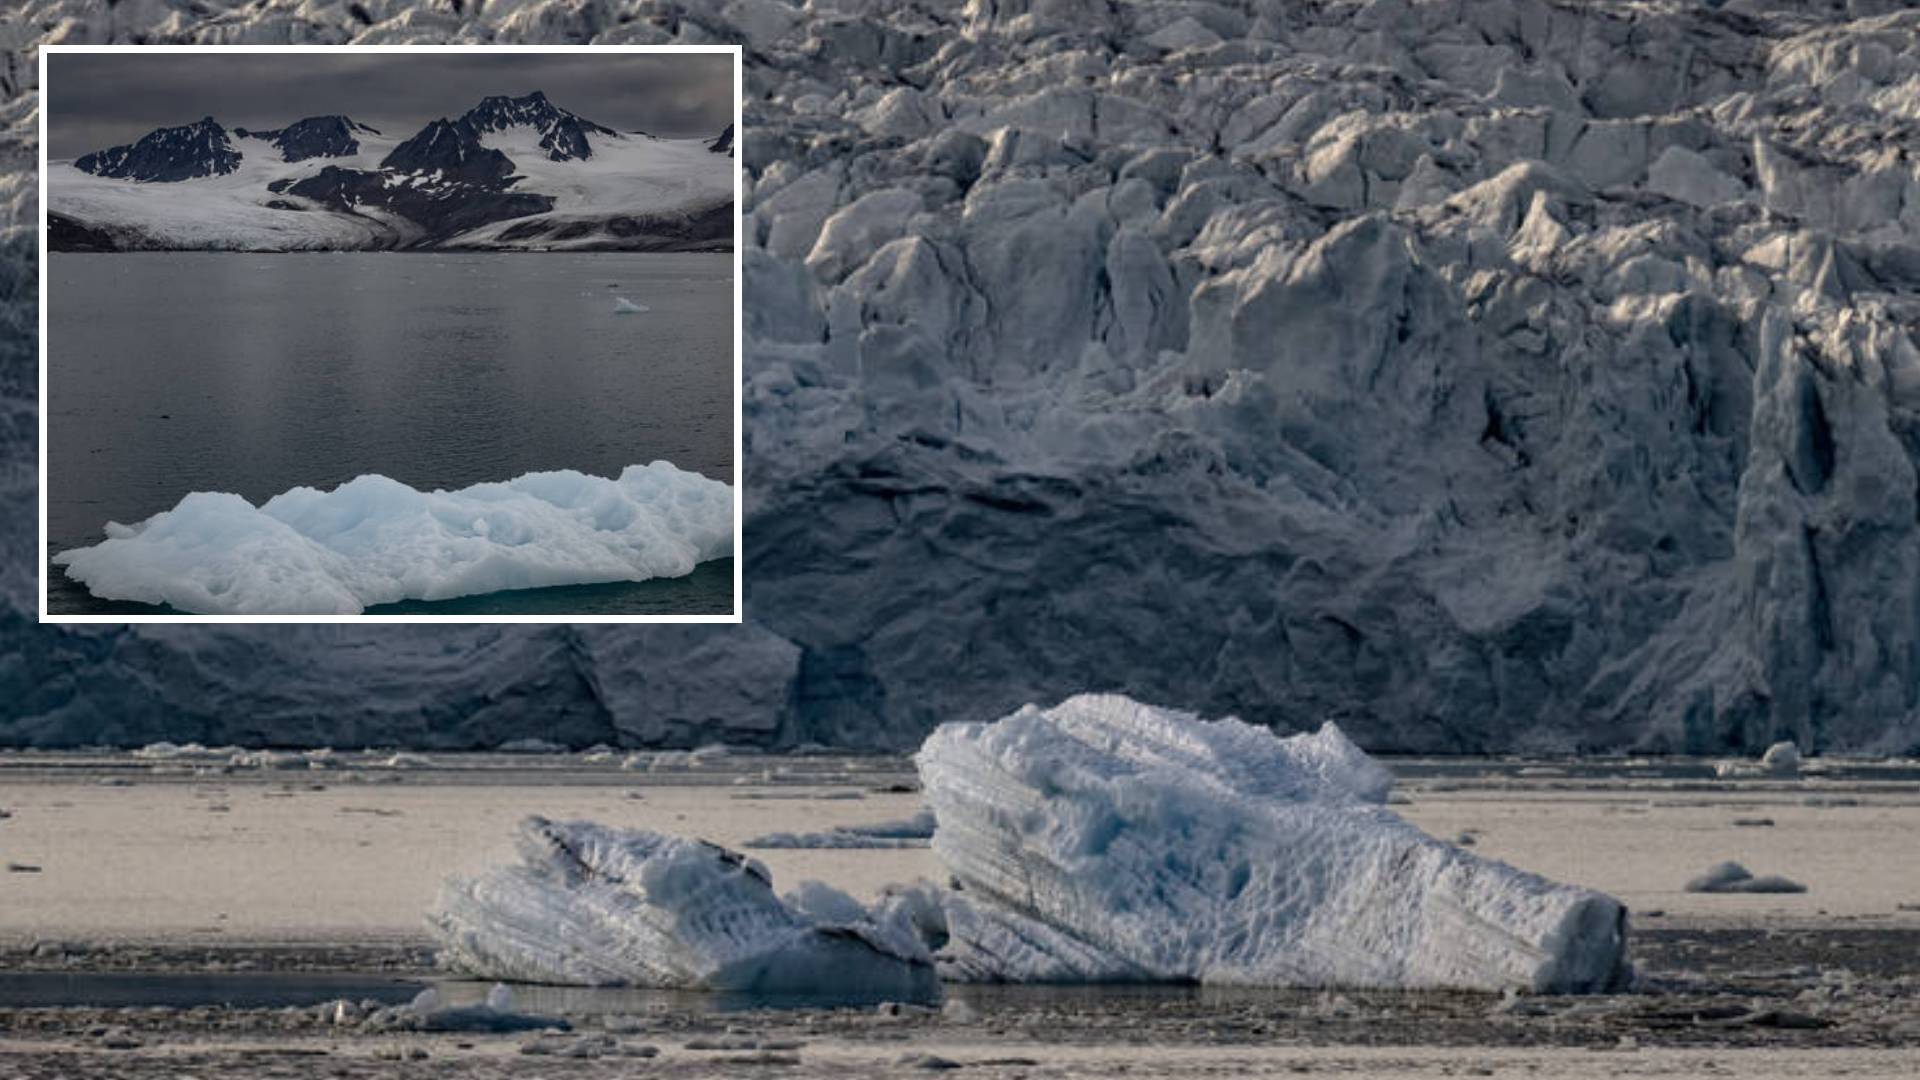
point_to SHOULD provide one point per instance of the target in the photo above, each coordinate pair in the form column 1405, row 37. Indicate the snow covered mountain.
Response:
column 169, row 154
column 1483, row 375
column 509, row 173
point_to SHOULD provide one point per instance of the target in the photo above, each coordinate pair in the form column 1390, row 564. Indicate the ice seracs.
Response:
column 593, row 906
column 1167, row 848
column 374, row 540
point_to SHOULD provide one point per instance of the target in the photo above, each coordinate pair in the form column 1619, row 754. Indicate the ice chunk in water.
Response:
column 595, row 906
column 375, row 540
column 624, row 306
column 1105, row 840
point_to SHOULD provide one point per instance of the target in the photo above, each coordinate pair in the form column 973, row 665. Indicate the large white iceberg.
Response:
column 1098, row 841
column 595, row 906
column 1164, row 848
column 375, row 540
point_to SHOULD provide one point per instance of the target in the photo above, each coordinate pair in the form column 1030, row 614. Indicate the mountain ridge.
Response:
column 584, row 185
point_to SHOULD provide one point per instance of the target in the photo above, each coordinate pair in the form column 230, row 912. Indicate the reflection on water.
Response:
column 256, row 990
column 116, row 989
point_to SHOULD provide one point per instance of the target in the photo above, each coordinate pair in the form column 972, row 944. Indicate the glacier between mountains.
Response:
column 1098, row 841
column 375, row 540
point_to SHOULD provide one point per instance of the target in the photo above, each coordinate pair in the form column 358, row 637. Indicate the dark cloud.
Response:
column 96, row 100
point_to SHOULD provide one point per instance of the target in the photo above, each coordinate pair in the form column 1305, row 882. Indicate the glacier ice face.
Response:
column 1145, row 844
column 374, row 540
column 1358, row 365
column 593, row 906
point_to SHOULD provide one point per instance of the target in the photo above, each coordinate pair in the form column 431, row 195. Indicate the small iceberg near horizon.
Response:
column 374, row 540
column 624, row 306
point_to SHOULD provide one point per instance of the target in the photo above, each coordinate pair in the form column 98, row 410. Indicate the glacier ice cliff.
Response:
column 374, row 540
column 1489, row 374
column 1098, row 841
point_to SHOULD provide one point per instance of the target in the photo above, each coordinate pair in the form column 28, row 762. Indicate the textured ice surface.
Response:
column 1281, row 360
column 1152, row 845
column 594, row 906
column 375, row 540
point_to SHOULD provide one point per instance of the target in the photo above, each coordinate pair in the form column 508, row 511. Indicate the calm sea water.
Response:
column 170, row 373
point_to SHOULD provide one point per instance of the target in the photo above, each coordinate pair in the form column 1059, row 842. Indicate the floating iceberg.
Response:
column 1156, row 846
column 624, row 306
column 594, row 906
column 374, row 540
column 1098, row 841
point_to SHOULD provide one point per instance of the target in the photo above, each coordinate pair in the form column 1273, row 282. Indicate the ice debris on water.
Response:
column 624, row 306
column 1781, row 760
column 1731, row 877
column 374, row 540
column 1098, row 841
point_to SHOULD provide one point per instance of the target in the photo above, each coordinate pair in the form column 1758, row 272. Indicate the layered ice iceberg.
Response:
column 375, row 540
column 1152, row 845
column 595, row 906
column 1098, row 841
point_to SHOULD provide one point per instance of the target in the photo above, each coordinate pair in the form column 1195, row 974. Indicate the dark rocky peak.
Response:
column 451, row 149
column 167, row 155
column 563, row 135
column 314, row 137
column 723, row 144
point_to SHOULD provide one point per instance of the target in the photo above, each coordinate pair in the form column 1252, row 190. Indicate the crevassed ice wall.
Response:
column 1482, row 375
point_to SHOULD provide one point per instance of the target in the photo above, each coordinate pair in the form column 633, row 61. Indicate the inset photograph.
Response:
column 410, row 333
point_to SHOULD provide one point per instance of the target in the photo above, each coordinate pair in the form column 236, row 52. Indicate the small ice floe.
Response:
column 1731, row 877
column 530, row 746
column 1782, row 759
column 593, row 906
column 166, row 751
column 267, row 759
column 624, row 306
column 428, row 1011
column 404, row 760
column 913, row 832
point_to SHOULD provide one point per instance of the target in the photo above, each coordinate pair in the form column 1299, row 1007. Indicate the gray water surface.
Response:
column 176, row 372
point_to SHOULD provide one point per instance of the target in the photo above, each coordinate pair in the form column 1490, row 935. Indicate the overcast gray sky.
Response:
column 97, row 100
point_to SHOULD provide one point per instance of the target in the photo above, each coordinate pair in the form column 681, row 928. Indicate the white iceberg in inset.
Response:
column 624, row 306
column 374, row 540
column 594, row 906
column 1098, row 841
